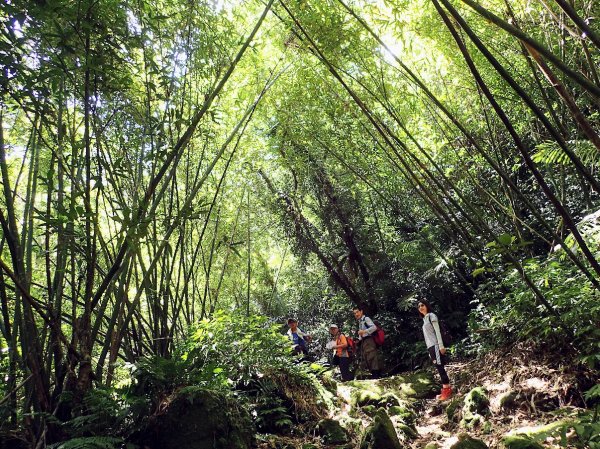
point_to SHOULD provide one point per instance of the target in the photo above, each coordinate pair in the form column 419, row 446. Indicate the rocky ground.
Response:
column 508, row 400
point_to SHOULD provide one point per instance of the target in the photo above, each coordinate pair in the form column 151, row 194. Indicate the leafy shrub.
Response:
column 502, row 319
column 231, row 349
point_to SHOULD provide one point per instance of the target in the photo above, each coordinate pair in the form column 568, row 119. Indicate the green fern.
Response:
column 272, row 415
column 92, row 443
column 551, row 154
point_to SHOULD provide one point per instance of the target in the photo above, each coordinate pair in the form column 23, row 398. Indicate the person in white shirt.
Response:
column 435, row 346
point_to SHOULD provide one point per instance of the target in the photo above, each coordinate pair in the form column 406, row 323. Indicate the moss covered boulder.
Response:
column 361, row 398
column 370, row 410
column 467, row 442
column 331, row 432
column 404, row 412
column 508, row 400
column 416, row 385
column 453, row 410
column 201, row 419
column 476, row 407
column 389, row 400
column 407, row 432
column 380, row 434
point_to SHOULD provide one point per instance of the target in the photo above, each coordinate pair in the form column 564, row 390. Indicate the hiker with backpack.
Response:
column 369, row 354
column 298, row 338
column 342, row 351
column 435, row 346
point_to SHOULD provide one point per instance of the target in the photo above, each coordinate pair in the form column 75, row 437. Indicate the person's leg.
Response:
column 438, row 360
column 345, row 368
column 443, row 375
column 371, row 357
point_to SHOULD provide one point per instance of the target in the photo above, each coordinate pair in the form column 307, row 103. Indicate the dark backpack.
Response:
column 378, row 335
column 446, row 335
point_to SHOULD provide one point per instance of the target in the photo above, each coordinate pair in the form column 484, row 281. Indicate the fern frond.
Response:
column 89, row 443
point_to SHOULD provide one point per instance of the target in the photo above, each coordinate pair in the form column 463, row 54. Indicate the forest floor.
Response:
column 519, row 398
column 532, row 395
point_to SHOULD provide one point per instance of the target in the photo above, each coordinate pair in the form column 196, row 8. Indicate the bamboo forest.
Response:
column 300, row 224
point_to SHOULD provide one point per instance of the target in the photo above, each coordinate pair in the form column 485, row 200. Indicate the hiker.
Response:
column 435, row 346
column 368, row 348
column 298, row 338
column 341, row 355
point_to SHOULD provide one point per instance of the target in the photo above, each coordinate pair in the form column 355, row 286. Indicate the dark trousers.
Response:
column 344, row 364
column 345, row 368
column 443, row 374
column 439, row 360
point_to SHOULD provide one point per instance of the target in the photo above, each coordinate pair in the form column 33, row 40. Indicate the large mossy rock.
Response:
column 467, row 442
column 475, row 408
column 201, row 419
column 362, row 398
column 381, row 433
column 416, row 385
column 332, row 432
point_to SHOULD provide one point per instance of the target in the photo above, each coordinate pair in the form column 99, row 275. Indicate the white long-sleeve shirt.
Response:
column 431, row 331
column 366, row 324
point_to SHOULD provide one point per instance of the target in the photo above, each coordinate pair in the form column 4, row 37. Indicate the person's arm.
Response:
column 306, row 337
column 371, row 328
column 433, row 319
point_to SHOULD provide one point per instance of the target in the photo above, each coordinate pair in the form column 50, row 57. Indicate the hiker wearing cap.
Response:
column 341, row 356
column 298, row 338
column 435, row 346
column 368, row 348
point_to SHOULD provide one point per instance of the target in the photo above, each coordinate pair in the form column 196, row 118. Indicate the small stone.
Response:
column 507, row 400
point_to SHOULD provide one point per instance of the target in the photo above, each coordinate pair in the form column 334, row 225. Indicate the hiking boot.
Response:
column 445, row 394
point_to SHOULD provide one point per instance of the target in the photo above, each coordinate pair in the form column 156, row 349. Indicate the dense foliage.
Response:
column 172, row 165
